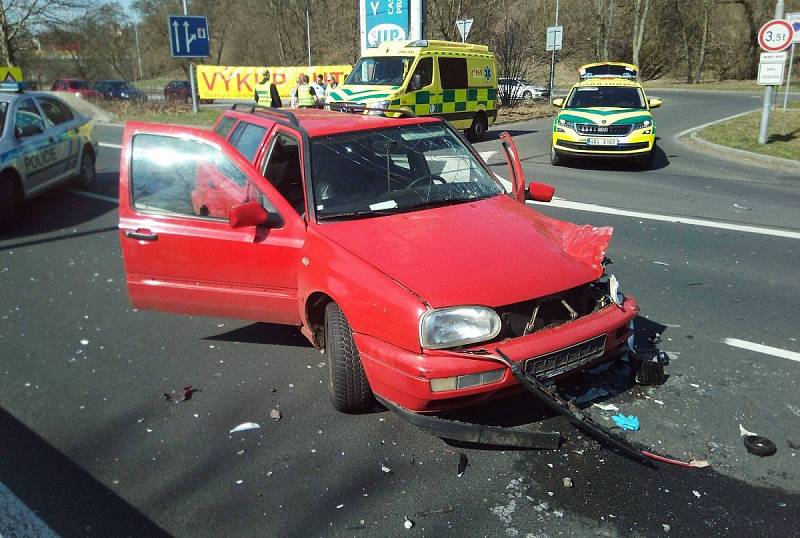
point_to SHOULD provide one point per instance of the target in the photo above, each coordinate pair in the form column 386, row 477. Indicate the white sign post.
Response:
column 464, row 26
column 770, row 68
column 555, row 37
column 774, row 36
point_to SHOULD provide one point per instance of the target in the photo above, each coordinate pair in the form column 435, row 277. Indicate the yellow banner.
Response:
column 237, row 82
column 10, row 74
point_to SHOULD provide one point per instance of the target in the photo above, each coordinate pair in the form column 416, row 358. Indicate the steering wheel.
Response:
column 431, row 179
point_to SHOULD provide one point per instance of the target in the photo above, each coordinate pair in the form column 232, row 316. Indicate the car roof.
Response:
column 326, row 122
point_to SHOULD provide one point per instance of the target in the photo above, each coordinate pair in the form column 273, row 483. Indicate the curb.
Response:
column 733, row 154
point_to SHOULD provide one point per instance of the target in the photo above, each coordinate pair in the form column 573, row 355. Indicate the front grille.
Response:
column 603, row 130
column 564, row 360
column 519, row 319
column 618, row 147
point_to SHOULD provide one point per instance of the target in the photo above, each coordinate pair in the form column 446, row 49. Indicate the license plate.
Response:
column 602, row 141
column 564, row 360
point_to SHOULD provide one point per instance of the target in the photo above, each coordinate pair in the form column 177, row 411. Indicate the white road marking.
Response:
column 96, row 196
column 107, row 145
column 592, row 208
column 761, row 348
column 486, row 155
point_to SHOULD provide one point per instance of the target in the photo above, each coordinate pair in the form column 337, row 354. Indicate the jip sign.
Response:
column 389, row 20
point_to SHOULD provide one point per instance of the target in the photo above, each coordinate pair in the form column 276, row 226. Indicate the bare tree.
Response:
column 639, row 18
column 708, row 7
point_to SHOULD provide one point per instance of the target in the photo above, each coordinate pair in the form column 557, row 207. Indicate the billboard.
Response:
column 239, row 82
column 390, row 20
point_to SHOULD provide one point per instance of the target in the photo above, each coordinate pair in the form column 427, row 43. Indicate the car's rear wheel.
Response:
column 88, row 173
column 349, row 387
column 478, row 129
column 555, row 158
column 9, row 199
column 527, row 95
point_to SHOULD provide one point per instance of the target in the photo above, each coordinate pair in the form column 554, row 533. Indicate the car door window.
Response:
column 247, row 138
column 225, row 125
column 453, row 73
column 425, row 71
column 28, row 116
column 54, row 111
column 184, row 177
column 284, row 171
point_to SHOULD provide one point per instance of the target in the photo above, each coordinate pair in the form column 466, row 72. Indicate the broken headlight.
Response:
column 457, row 326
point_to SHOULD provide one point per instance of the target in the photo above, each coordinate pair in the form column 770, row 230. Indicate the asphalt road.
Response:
column 89, row 446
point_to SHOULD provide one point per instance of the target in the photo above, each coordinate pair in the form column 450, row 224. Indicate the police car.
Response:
column 43, row 143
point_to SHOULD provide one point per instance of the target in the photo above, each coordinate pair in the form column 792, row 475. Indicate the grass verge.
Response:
column 783, row 138
column 527, row 110
column 162, row 112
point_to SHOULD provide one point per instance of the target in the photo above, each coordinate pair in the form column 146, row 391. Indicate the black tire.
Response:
column 477, row 130
column 645, row 161
column 88, row 174
column 555, row 158
column 8, row 202
column 349, row 388
column 527, row 95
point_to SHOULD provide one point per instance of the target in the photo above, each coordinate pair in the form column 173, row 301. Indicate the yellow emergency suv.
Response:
column 454, row 81
column 606, row 114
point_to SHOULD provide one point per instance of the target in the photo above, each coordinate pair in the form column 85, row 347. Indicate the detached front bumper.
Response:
column 574, row 144
column 404, row 377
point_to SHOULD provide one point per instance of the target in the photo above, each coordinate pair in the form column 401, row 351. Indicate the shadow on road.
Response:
column 67, row 498
column 264, row 333
column 660, row 161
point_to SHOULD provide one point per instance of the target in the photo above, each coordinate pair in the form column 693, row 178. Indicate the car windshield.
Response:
column 606, row 96
column 119, row 84
column 3, row 109
column 395, row 170
column 383, row 71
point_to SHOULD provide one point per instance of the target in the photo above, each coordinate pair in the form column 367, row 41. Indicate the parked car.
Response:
column 120, row 90
column 80, row 88
column 181, row 90
column 387, row 241
column 43, row 143
column 521, row 89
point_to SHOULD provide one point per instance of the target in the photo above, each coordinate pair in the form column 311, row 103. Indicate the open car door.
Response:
column 202, row 232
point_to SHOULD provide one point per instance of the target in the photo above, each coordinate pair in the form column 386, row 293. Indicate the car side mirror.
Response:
column 28, row 130
column 558, row 102
column 654, row 102
column 416, row 82
column 540, row 192
column 247, row 214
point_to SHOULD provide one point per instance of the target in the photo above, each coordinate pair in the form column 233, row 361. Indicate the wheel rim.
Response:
column 87, row 169
column 479, row 127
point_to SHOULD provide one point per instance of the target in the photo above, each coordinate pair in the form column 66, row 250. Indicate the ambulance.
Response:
column 453, row 81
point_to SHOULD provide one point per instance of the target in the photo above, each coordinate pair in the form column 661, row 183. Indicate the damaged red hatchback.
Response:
column 388, row 241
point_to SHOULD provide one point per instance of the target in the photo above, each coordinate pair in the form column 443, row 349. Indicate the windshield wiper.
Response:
column 344, row 215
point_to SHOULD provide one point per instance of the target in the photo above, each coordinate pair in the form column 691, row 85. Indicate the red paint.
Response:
column 384, row 272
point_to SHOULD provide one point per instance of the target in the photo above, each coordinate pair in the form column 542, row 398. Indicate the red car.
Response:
column 387, row 241
column 78, row 87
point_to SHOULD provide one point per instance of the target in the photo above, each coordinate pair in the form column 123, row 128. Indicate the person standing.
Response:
column 332, row 85
column 266, row 93
column 303, row 95
column 319, row 89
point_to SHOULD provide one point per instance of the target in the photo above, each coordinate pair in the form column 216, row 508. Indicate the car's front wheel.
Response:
column 88, row 173
column 478, row 129
column 527, row 95
column 555, row 158
column 349, row 387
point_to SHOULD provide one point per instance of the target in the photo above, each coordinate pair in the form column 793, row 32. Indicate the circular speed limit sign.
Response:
column 775, row 36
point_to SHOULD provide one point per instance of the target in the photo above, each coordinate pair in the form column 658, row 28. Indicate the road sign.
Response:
column 794, row 20
column 775, row 35
column 770, row 68
column 464, row 26
column 555, row 36
column 188, row 36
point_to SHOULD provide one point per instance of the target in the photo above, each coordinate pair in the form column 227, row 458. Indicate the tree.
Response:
column 18, row 18
column 639, row 18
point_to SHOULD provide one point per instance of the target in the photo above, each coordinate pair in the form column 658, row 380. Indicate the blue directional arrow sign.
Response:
column 188, row 36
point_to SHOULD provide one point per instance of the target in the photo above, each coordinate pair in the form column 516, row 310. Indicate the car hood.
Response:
column 605, row 115
column 490, row 252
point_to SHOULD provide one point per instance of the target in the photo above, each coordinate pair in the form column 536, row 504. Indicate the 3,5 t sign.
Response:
column 775, row 36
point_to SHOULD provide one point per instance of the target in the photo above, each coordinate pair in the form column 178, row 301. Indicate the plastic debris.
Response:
column 408, row 523
column 338, row 506
column 463, row 461
column 167, row 397
column 187, row 392
column 444, row 510
column 630, row 422
column 745, row 433
column 661, row 263
column 275, row 414
column 84, row 342
column 696, row 493
column 759, row 446
column 385, row 469
column 244, row 426
column 567, row 482
column 606, row 407
column 666, row 527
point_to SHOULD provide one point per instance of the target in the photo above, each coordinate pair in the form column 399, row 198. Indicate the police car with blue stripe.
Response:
column 43, row 143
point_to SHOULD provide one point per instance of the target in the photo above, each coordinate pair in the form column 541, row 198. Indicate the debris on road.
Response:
column 187, row 392
column 591, row 394
column 661, row 263
column 630, row 422
column 759, row 446
column 275, row 414
column 567, row 482
column 244, row 426
column 463, row 461
column 408, row 523
column 606, row 407
column 385, row 469
column 444, row 510
column 696, row 493
column 745, row 433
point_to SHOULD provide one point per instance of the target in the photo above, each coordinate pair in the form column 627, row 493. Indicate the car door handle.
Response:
column 142, row 235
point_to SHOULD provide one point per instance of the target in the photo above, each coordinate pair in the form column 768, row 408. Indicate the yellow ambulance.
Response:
column 454, row 81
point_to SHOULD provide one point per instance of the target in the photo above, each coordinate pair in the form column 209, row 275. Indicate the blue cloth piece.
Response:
column 626, row 423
